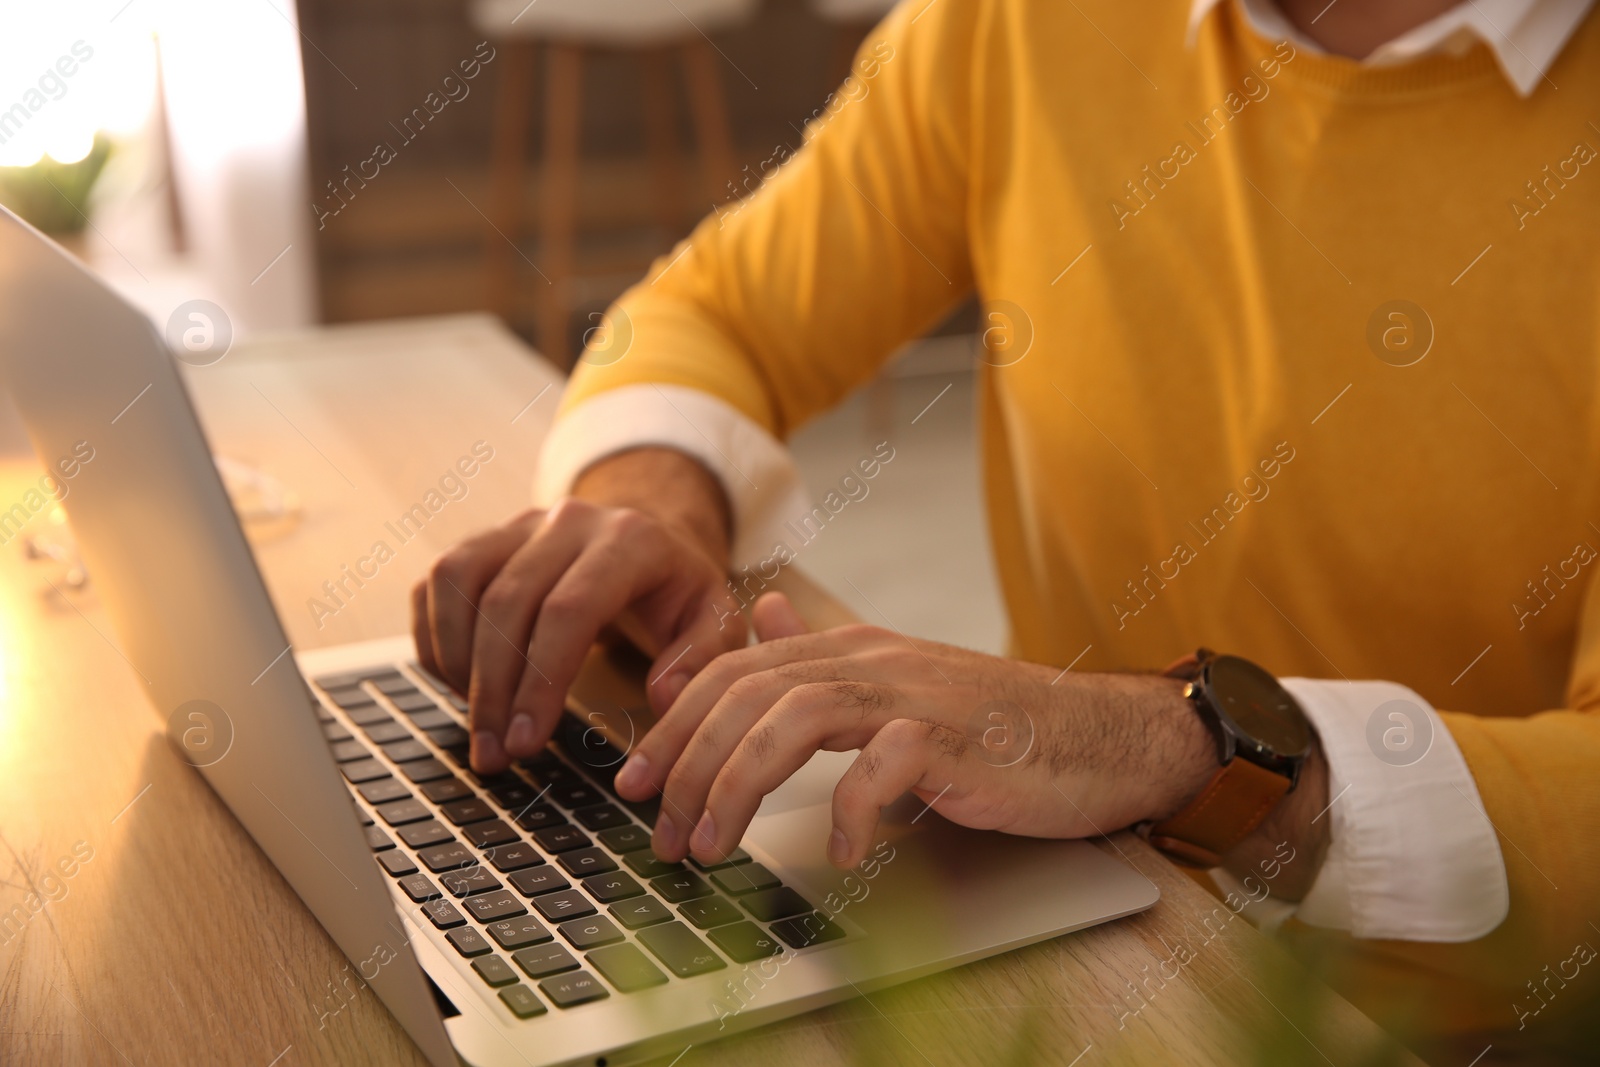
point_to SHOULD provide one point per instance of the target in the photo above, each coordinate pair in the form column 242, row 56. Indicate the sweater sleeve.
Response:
column 1537, row 780
column 782, row 302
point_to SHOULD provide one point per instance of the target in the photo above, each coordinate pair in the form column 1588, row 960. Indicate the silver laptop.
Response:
column 520, row 919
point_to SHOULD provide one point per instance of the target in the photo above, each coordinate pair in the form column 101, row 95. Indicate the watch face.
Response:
column 1260, row 708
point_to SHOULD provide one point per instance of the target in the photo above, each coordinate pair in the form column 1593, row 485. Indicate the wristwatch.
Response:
column 1263, row 739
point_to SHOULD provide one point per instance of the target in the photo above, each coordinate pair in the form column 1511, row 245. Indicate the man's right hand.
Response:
column 507, row 616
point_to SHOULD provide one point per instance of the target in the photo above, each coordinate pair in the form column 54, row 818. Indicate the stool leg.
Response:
column 507, row 162
column 709, row 102
column 559, row 196
column 661, row 135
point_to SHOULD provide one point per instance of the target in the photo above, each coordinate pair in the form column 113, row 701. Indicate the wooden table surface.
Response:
column 141, row 925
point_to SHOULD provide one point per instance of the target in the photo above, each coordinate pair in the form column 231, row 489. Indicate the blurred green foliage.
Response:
column 55, row 196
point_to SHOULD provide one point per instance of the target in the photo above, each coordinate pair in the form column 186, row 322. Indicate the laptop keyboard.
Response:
column 542, row 877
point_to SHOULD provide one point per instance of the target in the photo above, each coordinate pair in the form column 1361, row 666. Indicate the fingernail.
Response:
column 634, row 774
column 675, row 686
column 705, row 834
column 486, row 751
column 666, row 837
column 838, row 848
column 520, row 738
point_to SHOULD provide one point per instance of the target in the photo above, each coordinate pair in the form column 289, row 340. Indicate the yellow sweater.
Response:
column 1201, row 421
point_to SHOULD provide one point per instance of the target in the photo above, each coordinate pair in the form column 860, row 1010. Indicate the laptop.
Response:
column 516, row 919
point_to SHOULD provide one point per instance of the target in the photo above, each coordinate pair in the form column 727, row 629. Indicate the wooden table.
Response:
column 174, row 940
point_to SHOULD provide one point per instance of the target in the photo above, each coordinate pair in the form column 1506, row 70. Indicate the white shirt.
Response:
column 1403, row 863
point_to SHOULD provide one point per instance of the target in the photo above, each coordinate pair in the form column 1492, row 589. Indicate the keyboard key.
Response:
column 779, row 903
column 520, row 932
column 513, row 857
column 677, row 946
column 545, row 960
column 443, row 914
column 447, row 857
column 368, row 715
column 589, row 933
column 364, row 770
column 396, row 862
column 548, row 770
column 539, row 816
column 628, row 838
column 494, row 970
column 423, row 834
column 682, row 886
column 383, row 790
column 444, row 790
column 567, row 904
column 381, row 733
column 409, row 749
column 645, row 865
column 531, row 883
column 586, row 861
column 746, row 878
column 500, row 904
column 424, row 770
column 614, row 886
column 625, row 967
column 433, row 719
column 467, row 810
column 745, row 942
column 468, row 941
column 393, row 682
column 512, row 793
column 806, row 930
column 575, row 794
column 561, row 838
column 345, row 679
column 710, row 911
column 365, row 819
column 469, row 880
column 413, row 701
column 522, row 1001
column 460, row 755
column 732, row 859
column 332, row 731
column 377, row 840
column 349, row 696
column 400, row 812
column 601, row 817
column 418, row 888
column 488, row 834
column 445, row 736
column 640, row 912
column 570, row 990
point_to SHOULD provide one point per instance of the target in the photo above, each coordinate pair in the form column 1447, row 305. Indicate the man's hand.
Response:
column 507, row 616
column 991, row 743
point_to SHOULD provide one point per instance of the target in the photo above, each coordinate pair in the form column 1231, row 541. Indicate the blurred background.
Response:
column 340, row 161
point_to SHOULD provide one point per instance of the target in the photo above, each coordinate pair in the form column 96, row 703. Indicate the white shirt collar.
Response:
column 1524, row 35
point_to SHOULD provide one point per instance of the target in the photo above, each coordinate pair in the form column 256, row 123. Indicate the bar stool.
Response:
column 651, row 30
column 851, row 19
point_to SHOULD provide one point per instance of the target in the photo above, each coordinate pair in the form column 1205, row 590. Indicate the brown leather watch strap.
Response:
column 1231, row 805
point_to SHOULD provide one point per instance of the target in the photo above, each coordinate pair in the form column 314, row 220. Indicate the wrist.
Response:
column 671, row 487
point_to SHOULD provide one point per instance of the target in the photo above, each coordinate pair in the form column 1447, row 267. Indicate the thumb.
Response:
column 776, row 617
column 717, row 628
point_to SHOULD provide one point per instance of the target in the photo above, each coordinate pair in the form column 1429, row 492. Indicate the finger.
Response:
column 506, row 614
column 690, row 774
column 611, row 571
column 905, row 754
column 421, row 632
column 713, row 625
column 775, row 617
column 667, row 739
column 455, row 583
column 834, row 716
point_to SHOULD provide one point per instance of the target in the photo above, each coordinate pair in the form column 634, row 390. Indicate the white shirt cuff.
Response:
column 1413, row 854
column 756, row 470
